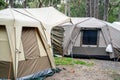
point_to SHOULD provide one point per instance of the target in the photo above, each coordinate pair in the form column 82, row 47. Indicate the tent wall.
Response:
column 30, row 43
column 6, row 65
column 6, row 70
column 32, row 66
column 114, row 33
column 4, row 45
column 102, row 41
column 103, row 38
column 32, row 53
column 73, row 42
column 67, row 33
column 98, row 49
column 90, row 51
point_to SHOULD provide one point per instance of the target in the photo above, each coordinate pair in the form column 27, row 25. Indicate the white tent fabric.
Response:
column 78, row 24
column 72, row 35
column 116, row 23
column 115, row 37
column 108, row 34
column 109, row 48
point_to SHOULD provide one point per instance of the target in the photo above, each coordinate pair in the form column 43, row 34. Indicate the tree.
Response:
column 102, row 9
column 92, row 8
column 119, row 13
column 88, row 8
column 11, row 3
column 113, row 13
column 3, row 4
column 77, row 8
column 40, row 3
column 25, row 3
column 96, row 8
column 106, row 6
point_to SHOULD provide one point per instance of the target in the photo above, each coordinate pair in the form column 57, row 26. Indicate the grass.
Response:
column 70, row 61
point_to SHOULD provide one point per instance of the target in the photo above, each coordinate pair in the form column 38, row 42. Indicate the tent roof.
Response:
column 118, row 23
column 88, row 22
column 49, row 16
column 91, row 23
column 46, row 17
column 10, row 14
column 76, row 20
column 115, row 25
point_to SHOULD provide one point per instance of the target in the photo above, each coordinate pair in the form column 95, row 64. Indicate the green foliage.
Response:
column 3, row 4
column 33, row 4
column 18, row 6
column 78, row 8
column 70, row 61
column 114, row 11
column 101, row 9
column 61, row 8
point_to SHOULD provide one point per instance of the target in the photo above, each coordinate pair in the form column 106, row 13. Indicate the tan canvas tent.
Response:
column 50, row 17
column 24, row 38
column 88, row 36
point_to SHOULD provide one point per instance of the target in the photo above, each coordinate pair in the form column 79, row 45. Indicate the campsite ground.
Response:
column 89, row 69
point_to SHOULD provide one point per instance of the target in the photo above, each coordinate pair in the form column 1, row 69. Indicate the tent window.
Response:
column 89, row 37
column 30, row 43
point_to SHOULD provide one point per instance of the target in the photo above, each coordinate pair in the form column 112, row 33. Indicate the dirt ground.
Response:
column 100, row 70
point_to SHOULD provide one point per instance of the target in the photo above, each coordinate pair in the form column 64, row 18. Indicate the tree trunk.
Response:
column 96, row 8
column 7, row 1
column 65, row 7
column 91, row 8
column 87, row 8
column 119, row 14
column 11, row 3
column 25, row 4
column 106, row 5
column 69, row 8
column 40, row 3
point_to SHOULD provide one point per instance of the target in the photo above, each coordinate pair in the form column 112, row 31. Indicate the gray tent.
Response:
column 89, row 36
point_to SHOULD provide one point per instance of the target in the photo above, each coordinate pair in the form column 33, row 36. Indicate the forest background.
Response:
column 108, row 10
